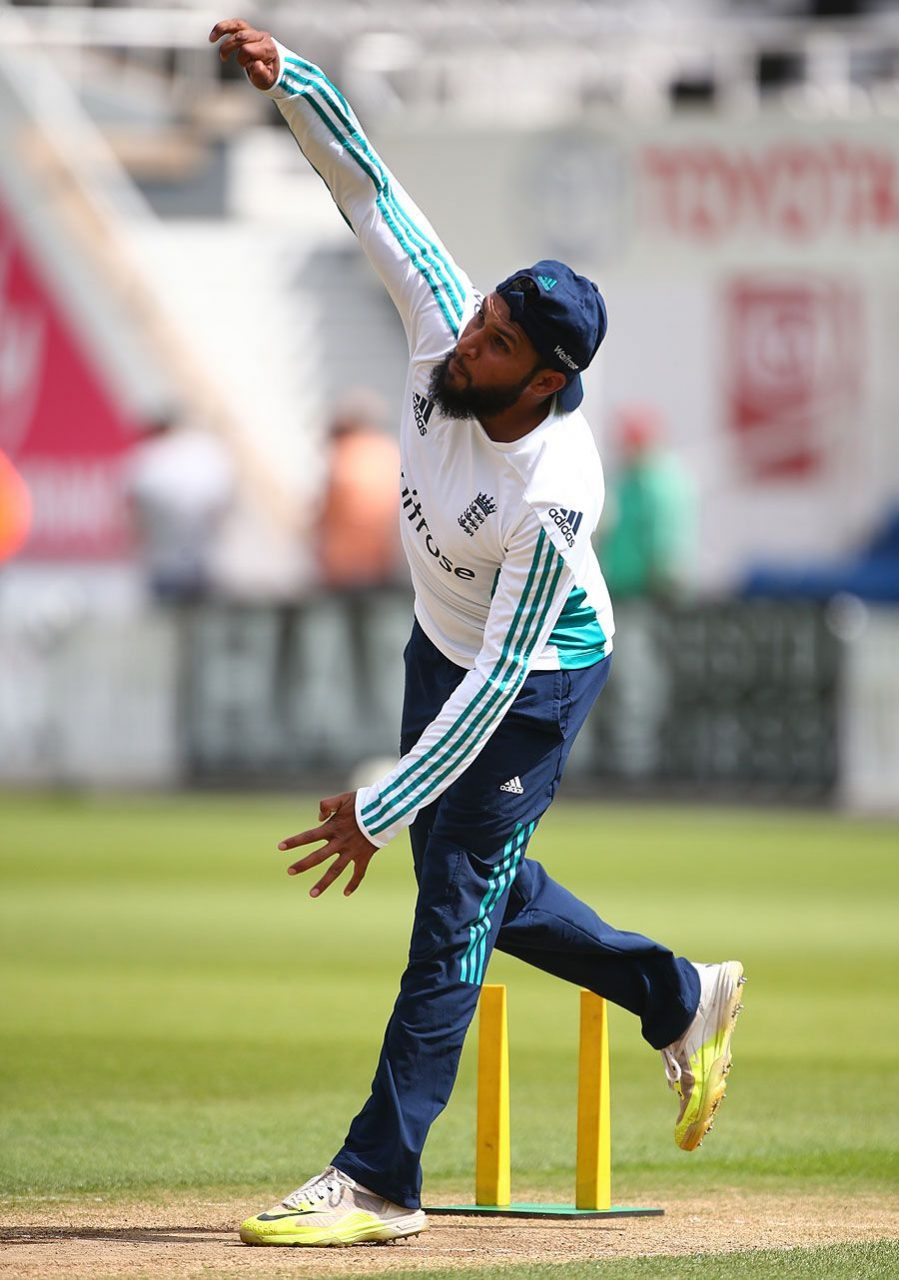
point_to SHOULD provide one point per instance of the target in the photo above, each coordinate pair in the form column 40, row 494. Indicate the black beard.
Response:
column 471, row 402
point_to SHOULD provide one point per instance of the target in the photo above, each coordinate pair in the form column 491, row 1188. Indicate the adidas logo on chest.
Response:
column 422, row 408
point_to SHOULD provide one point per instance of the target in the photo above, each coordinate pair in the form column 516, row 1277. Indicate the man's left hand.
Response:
column 344, row 842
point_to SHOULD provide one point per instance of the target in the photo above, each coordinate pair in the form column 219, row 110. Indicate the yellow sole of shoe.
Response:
column 383, row 1235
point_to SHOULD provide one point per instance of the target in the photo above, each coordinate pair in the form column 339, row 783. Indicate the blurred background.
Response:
column 200, row 381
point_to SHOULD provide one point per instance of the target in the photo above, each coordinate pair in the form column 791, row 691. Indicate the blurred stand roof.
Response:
column 145, row 71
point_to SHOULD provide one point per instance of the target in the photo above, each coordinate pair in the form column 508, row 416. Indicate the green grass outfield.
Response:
column 875, row 1261
column 178, row 1014
column 878, row 1260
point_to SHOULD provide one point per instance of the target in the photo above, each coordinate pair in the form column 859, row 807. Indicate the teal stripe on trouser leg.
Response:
column 474, row 961
column 468, row 967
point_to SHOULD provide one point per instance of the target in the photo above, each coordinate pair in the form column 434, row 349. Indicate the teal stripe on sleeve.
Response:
column 486, row 720
column 455, row 292
column 409, row 250
column 428, row 260
column 472, row 706
column 493, row 688
column 345, row 115
column 494, row 708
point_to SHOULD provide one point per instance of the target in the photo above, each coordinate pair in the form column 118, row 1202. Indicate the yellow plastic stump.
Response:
column 593, row 1187
column 493, row 1189
column 493, row 1178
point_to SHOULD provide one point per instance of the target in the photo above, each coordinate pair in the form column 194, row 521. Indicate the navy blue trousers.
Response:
column 477, row 890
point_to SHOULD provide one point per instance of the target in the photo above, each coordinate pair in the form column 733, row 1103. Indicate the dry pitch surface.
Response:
column 191, row 1237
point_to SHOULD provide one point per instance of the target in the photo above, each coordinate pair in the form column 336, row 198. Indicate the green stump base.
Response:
column 541, row 1211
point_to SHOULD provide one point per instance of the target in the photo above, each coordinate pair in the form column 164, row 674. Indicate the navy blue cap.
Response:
column 564, row 316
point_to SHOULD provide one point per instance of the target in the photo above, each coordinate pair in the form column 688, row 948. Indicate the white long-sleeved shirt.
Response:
column 497, row 535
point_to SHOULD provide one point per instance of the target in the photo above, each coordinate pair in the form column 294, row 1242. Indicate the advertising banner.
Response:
column 59, row 423
column 794, row 361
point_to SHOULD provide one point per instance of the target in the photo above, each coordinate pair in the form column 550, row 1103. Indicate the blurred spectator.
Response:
column 358, row 542
column 180, row 484
column 15, row 510
column 647, row 541
column 357, row 532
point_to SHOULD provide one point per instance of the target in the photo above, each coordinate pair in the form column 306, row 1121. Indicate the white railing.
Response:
column 629, row 51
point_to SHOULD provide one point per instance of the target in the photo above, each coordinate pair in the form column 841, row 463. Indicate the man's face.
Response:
column 490, row 367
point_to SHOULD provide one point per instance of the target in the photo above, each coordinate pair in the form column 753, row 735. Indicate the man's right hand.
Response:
column 254, row 50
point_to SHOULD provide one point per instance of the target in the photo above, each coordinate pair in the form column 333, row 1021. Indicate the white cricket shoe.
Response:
column 697, row 1064
column 332, row 1209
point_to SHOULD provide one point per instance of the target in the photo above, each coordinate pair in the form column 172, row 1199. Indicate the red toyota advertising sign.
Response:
column 59, row 422
column 794, row 353
column 798, row 190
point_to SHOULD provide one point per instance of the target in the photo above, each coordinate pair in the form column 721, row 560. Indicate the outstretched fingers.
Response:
column 341, row 861
column 359, row 869
column 336, row 868
column 341, row 840
column 314, row 859
column 305, row 837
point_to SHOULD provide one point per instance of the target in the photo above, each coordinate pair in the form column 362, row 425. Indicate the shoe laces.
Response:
column 327, row 1187
column 673, row 1069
